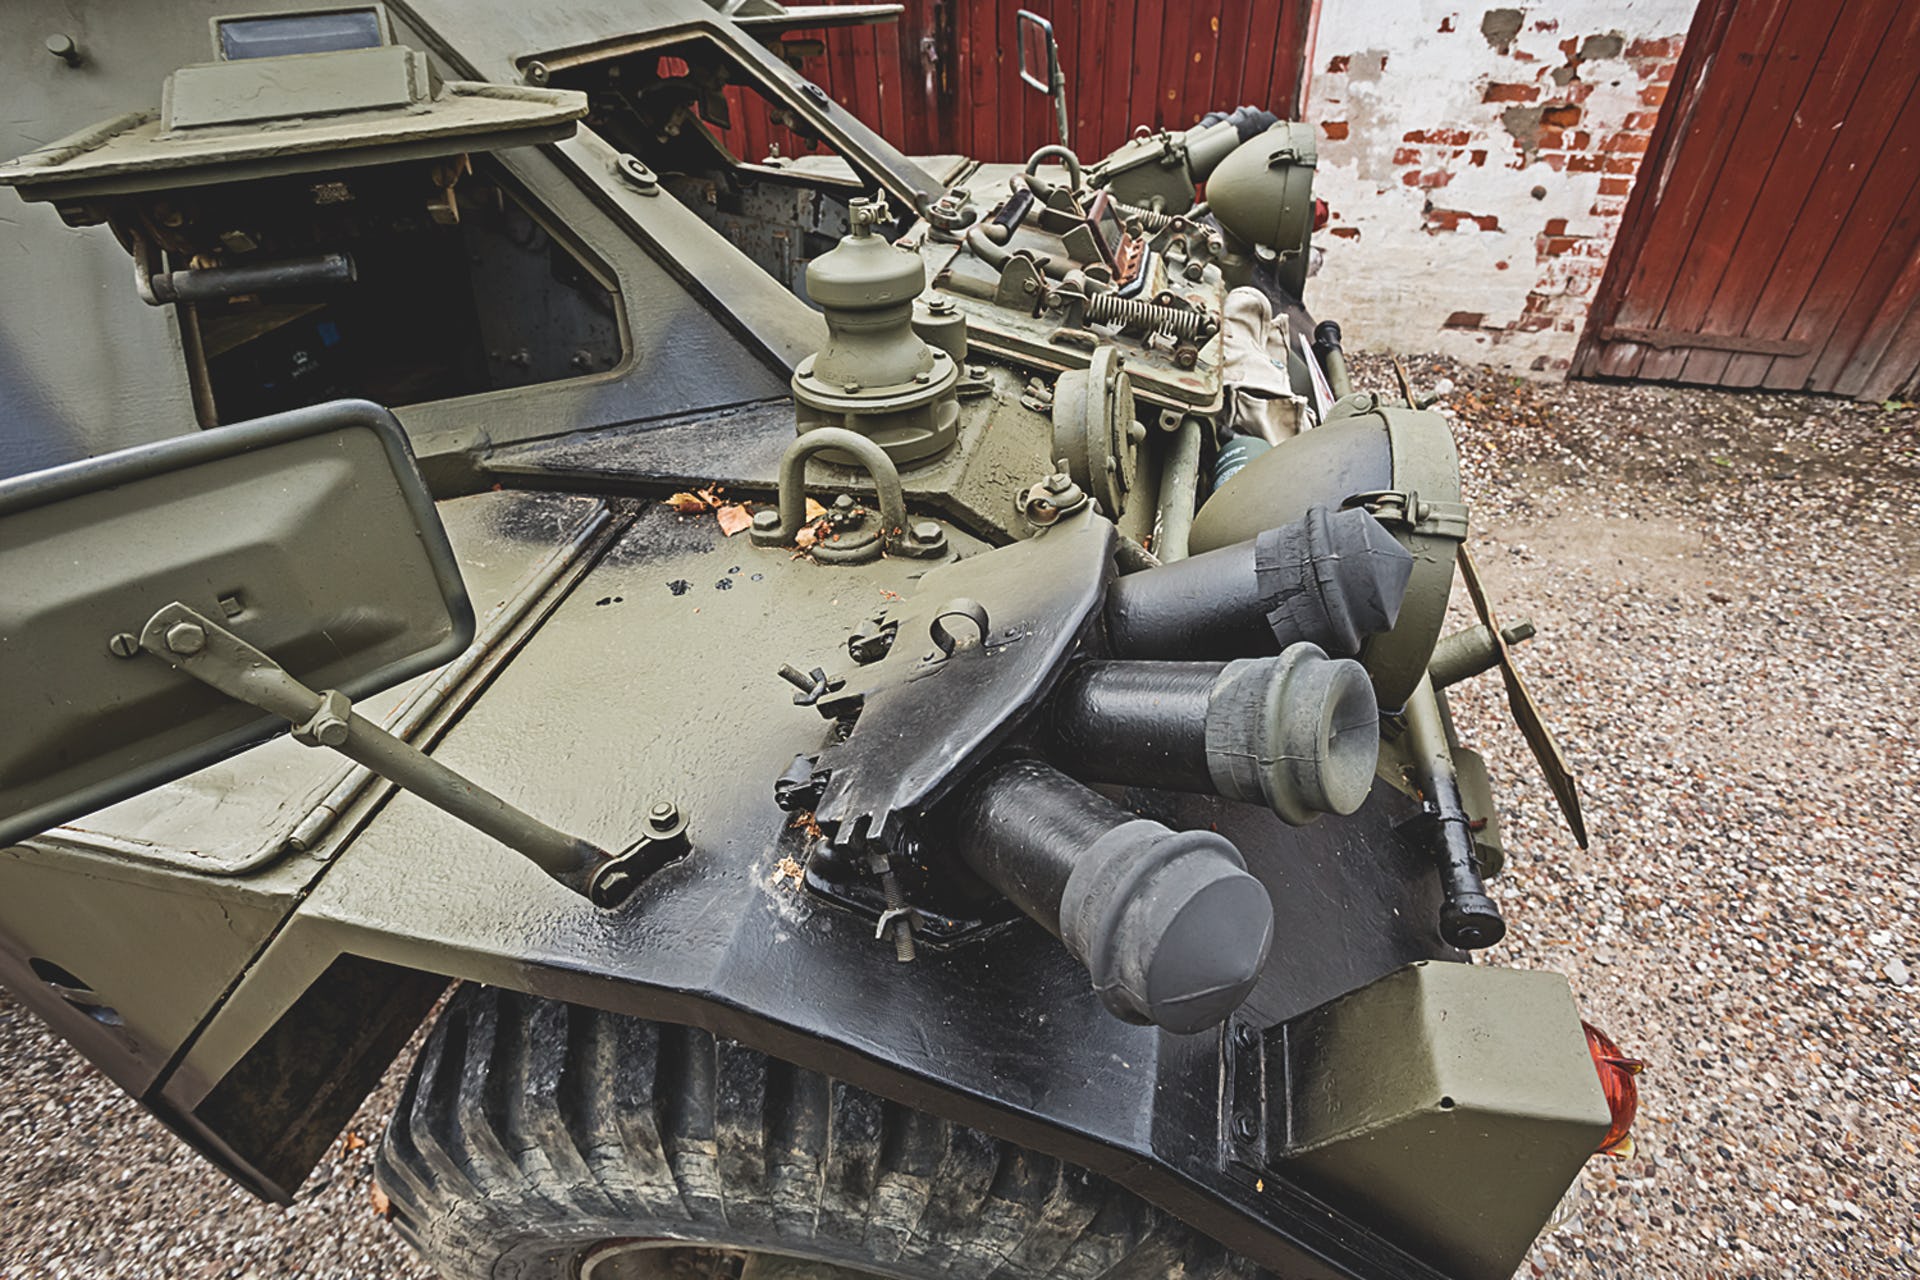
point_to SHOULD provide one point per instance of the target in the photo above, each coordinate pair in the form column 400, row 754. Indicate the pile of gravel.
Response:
column 1725, row 589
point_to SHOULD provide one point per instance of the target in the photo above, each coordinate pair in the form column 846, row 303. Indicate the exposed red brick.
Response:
column 1410, row 179
column 1564, row 116
column 1554, row 246
column 1624, row 164
column 1615, row 186
column 1346, row 233
column 1407, row 155
column 1510, row 93
column 1465, row 320
column 1500, row 266
column 1654, row 95
column 1439, row 137
column 1534, row 324
column 1547, row 24
column 1554, row 160
column 1571, row 47
column 1579, row 140
column 1584, row 164
column 1478, row 156
column 1446, row 24
column 1642, row 119
column 1339, row 64
column 1450, row 220
column 1663, row 47
column 1556, row 226
column 1334, row 129
column 1633, row 143
column 1435, row 178
column 1548, row 140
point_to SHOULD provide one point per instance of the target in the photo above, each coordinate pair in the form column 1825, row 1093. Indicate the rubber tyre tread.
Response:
column 530, row 1130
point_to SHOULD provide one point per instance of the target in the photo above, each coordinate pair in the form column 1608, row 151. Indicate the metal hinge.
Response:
column 1243, row 1097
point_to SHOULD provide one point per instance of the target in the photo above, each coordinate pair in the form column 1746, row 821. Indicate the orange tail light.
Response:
column 1617, row 1072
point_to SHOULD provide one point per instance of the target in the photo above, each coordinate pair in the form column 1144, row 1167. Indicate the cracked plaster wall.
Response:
column 1476, row 161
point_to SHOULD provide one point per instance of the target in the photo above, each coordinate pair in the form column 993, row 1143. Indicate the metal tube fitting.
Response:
column 1298, row 733
column 1329, row 578
column 1170, row 926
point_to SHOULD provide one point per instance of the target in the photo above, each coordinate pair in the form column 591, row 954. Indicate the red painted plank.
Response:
column 1857, row 149
column 1289, row 57
column 1898, row 371
column 1113, row 41
column 1203, row 38
column 1003, row 81
column 1878, row 245
column 1256, row 61
column 1753, row 147
column 1224, row 93
column 1797, row 171
column 894, row 84
column 1719, row 103
column 1670, row 131
column 1863, row 258
column 1877, row 334
column 1173, row 45
column 1144, row 41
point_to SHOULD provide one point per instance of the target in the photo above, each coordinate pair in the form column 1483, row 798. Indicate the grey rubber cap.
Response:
column 1169, row 924
column 1299, row 733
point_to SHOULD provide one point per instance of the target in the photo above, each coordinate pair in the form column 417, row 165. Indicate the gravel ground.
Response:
column 1725, row 587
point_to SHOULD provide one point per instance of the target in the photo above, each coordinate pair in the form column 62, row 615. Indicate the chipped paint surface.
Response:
column 1476, row 160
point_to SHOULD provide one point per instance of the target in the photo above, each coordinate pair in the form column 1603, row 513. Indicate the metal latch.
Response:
column 1411, row 511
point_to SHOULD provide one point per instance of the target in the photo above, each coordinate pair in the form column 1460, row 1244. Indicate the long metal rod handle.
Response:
column 195, row 645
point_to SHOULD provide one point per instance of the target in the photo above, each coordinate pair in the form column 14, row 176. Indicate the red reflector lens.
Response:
column 1319, row 213
column 1617, row 1072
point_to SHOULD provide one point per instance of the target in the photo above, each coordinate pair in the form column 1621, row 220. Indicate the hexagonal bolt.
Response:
column 186, row 638
column 663, row 816
column 327, row 729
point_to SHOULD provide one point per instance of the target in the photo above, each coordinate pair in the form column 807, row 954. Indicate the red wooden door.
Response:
column 1773, row 238
column 945, row 78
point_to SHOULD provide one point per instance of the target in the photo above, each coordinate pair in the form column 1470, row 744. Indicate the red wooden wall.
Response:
column 945, row 77
column 1773, row 237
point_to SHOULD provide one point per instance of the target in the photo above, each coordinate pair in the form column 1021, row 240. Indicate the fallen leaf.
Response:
column 381, row 1204
column 814, row 511
column 687, row 504
column 734, row 518
column 354, row 1141
column 811, row 534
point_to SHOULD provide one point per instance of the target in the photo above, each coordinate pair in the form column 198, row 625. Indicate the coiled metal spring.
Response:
column 1153, row 317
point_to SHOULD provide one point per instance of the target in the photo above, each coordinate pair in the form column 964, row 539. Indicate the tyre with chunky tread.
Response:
column 531, row 1131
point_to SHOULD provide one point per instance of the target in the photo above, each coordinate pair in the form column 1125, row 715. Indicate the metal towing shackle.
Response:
column 781, row 526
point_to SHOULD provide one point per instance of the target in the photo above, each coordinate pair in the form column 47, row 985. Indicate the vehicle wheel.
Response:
column 545, row 1141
